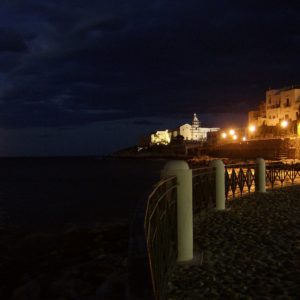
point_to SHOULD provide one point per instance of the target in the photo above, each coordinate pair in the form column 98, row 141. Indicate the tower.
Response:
column 195, row 128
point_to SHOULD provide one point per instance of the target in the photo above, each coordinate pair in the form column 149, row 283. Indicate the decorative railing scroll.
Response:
column 279, row 174
column 239, row 179
column 203, row 189
column 161, row 233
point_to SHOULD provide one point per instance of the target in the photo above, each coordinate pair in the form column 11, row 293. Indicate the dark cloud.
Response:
column 67, row 63
column 100, row 25
column 143, row 122
column 9, row 61
column 11, row 41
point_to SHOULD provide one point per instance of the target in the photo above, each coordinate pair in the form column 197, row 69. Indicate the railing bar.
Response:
column 159, row 200
column 202, row 174
column 160, row 183
column 202, row 168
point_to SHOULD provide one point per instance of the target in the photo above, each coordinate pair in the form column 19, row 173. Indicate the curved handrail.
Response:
column 160, row 228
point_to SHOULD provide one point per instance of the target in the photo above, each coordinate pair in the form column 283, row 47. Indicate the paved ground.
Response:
column 249, row 251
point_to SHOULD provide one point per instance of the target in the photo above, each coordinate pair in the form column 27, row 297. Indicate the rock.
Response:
column 64, row 264
column 30, row 290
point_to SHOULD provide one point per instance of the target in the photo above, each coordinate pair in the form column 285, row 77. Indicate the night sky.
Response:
column 89, row 77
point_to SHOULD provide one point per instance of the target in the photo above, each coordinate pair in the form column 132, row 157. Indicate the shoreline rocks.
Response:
column 63, row 264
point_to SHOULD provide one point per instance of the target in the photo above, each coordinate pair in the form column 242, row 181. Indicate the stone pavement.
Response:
column 249, row 251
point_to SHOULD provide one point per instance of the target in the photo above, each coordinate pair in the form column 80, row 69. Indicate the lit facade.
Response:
column 195, row 132
column 162, row 137
column 283, row 104
column 186, row 131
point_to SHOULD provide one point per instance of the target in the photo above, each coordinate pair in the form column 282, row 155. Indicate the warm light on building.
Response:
column 232, row 132
column 244, row 138
column 161, row 137
column 224, row 135
column 284, row 123
column 252, row 128
column 194, row 131
column 234, row 137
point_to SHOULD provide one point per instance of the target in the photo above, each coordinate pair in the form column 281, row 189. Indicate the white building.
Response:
column 194, row 132
column 186, row 131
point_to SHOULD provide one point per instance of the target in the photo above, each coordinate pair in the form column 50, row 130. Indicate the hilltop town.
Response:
column 273, row 131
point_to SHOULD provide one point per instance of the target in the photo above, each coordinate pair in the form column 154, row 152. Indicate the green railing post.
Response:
column 184, row 207
column 260, row 175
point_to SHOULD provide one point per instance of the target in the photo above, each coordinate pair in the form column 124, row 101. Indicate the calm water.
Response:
column 39, row 192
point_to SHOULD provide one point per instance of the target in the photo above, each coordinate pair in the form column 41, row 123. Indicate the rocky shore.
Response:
column 249, row 251
column 66, row 263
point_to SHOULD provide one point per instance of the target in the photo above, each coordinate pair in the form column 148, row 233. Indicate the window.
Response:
column 286, row 117
column 287, row 102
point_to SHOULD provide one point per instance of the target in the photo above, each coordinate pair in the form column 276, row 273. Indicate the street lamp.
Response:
column 284, row 124
column 232, row 132
column 252, row 128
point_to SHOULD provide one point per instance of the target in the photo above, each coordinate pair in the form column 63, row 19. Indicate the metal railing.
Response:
column 161, row 233
column 279, row 174
column 203, row 189
column 239, row 179
column 160, row 222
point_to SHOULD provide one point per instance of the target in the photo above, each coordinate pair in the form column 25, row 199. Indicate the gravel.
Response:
column 249, row 251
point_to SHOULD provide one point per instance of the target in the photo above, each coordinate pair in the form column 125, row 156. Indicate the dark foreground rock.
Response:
column 249, row 251
column 72, row 263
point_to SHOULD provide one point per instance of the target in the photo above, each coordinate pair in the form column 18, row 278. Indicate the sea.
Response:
column 41, row 192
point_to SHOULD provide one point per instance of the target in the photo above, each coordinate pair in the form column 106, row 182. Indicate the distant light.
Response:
column 252, row 128
column 244, row 138
column 231, row 132
column 284, row 123
column 224, row 135
column 234, row 137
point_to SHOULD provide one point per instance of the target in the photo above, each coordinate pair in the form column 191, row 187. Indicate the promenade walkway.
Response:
column 249, row 251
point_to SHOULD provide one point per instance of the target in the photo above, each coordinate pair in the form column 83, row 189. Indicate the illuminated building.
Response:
column 280, row 104
column 189, row 133
column 162, row 137
column 195, row 132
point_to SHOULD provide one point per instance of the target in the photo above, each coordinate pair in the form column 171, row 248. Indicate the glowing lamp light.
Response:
column 252, row 128
column 231, row 132
column 244, row 138
column 284, row 123
column 234, row 137
column 224, row 135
